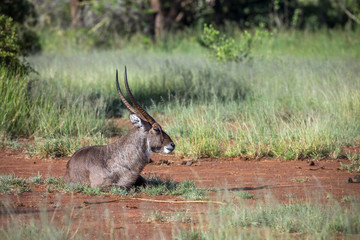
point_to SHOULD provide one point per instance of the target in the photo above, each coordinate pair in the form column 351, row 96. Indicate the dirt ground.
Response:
column 126, row 218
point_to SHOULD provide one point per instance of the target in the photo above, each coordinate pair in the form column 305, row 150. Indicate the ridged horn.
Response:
column 136, row 104
column 127, row 104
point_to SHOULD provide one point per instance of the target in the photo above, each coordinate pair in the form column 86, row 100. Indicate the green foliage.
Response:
column 58, row 184
column 22, row 15
column 158, row 186
column 19, row 10
column 276, row 221
column 63, row 146
column 295, row 100
column 62, row 121
column 221, row 47
column 348, row 199
column 80, row 188
column 46, row 229
column 8, row 38
column 155, row 186
column 29, row 41
column 14, row 110
column 185, row 189
column 177, row 216
column 53, row 148
column 9, row 45
column 38, row 179
column 188, row 190
column 120, row 191
column 11, row 184
column 353, row 167
column 243, row 195
column 190, row 235
column 301, row 180
column 225, row 48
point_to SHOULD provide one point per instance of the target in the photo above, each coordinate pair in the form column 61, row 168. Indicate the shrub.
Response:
column 225, row 48
column 9, row 47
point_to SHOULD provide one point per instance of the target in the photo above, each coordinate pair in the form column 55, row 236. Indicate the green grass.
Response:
column 190, row 235
column 233, row 221
column 176, row 216
column 354, row 166
column 57, row 184
column 11, row 184
column 243, row 195
column 297, row 98
column 237, row 219
column 348, row 199
column 158, row 186
column 35, row 179
column 300, row 180
column 284, row 221
column 63, row 146
column 60, row 121
column 33, row 230
column 155, row 186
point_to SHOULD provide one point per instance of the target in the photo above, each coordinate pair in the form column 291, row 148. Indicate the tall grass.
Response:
column 45, row 109
column 288, row 101
column 14, row 108
column 295, row 109
column 278, row 221
column 41, row 107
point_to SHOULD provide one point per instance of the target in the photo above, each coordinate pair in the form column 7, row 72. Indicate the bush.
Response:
column 221, row 47
column 23, row 16
column 226, row 49
column 9, row 47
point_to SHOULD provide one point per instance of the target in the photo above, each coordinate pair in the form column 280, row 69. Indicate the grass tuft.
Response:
column 354, row 166
column 177, row 216
column 158, row 186
column 155, row 186
column 243, row 195
column 185, row 189
column 300, row 180
column 11, row 184
column 38, row 179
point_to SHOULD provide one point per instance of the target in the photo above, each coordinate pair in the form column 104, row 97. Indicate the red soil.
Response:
column 97, row 215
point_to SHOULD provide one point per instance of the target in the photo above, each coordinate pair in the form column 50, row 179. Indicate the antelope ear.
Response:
column 136, row 121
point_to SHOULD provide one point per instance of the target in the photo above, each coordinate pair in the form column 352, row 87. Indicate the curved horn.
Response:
column 136, row 104
column 132, row 110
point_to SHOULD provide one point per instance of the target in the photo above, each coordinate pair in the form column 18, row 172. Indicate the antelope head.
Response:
column 157, row 139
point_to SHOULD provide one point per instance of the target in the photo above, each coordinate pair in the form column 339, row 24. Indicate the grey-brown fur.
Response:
column 121, row 162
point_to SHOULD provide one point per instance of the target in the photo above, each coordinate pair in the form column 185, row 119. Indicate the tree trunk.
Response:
column 158, row 18
column 77, row 13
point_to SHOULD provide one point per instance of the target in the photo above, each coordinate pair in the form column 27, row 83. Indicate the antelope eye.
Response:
column 157, row 130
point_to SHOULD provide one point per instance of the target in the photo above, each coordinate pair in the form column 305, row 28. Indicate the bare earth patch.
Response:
column 133, row 217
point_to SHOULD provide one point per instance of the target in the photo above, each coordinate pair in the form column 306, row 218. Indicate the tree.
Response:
column 22, row 16
column 10, row 49
column 351, row 8
column 177, row 13
column 158, row 18
column 77, row 13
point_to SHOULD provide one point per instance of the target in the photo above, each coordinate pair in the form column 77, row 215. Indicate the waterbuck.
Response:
column 120, row 163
